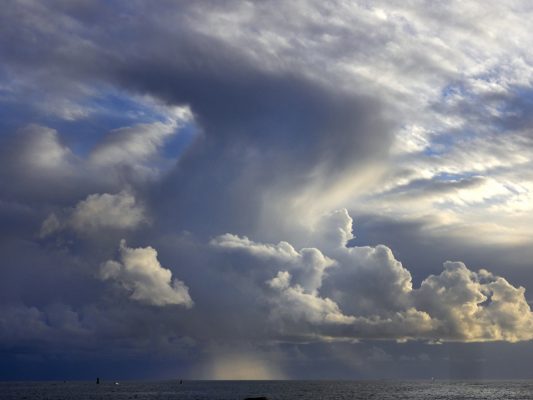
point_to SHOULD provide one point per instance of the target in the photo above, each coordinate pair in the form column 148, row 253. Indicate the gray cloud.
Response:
column 138, row 144
column 232, row 129
column 98, row 212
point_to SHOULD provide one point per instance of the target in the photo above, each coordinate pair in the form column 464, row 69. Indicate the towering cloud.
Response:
column 369, row 294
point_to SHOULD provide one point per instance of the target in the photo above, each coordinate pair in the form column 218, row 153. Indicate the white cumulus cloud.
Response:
column 98, row 211
column 370, row 294
column 142, row 276
column 307, row 266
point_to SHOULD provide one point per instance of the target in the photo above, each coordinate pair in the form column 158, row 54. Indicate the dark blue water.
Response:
column 275, row 390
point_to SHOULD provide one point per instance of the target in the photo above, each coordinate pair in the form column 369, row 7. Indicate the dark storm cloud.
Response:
column 264, row 130
column 259, row 127
column 275, row 134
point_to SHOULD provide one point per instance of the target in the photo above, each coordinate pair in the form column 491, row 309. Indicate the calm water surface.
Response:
column 275, row 390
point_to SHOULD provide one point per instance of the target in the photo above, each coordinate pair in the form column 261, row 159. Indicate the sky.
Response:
column 266, row 190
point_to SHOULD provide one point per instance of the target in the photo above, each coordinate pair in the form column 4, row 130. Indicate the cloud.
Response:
column 308, row 265
column 32, row 324
column 369, row 294
column 18, row 322
column 475, row 306
column 107, row 211
column 98, row 212
column 141, row 275
column 50, row 225
column 127, row 148
column 300, row 119
column 35, row 154
column 204, row 118
column 40, row 147
column 138, row 144
column 298, row 305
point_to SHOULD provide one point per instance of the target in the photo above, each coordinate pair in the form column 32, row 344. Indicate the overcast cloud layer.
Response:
column 248, row 190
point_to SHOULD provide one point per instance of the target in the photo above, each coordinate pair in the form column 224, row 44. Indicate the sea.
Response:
column 273, row 390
